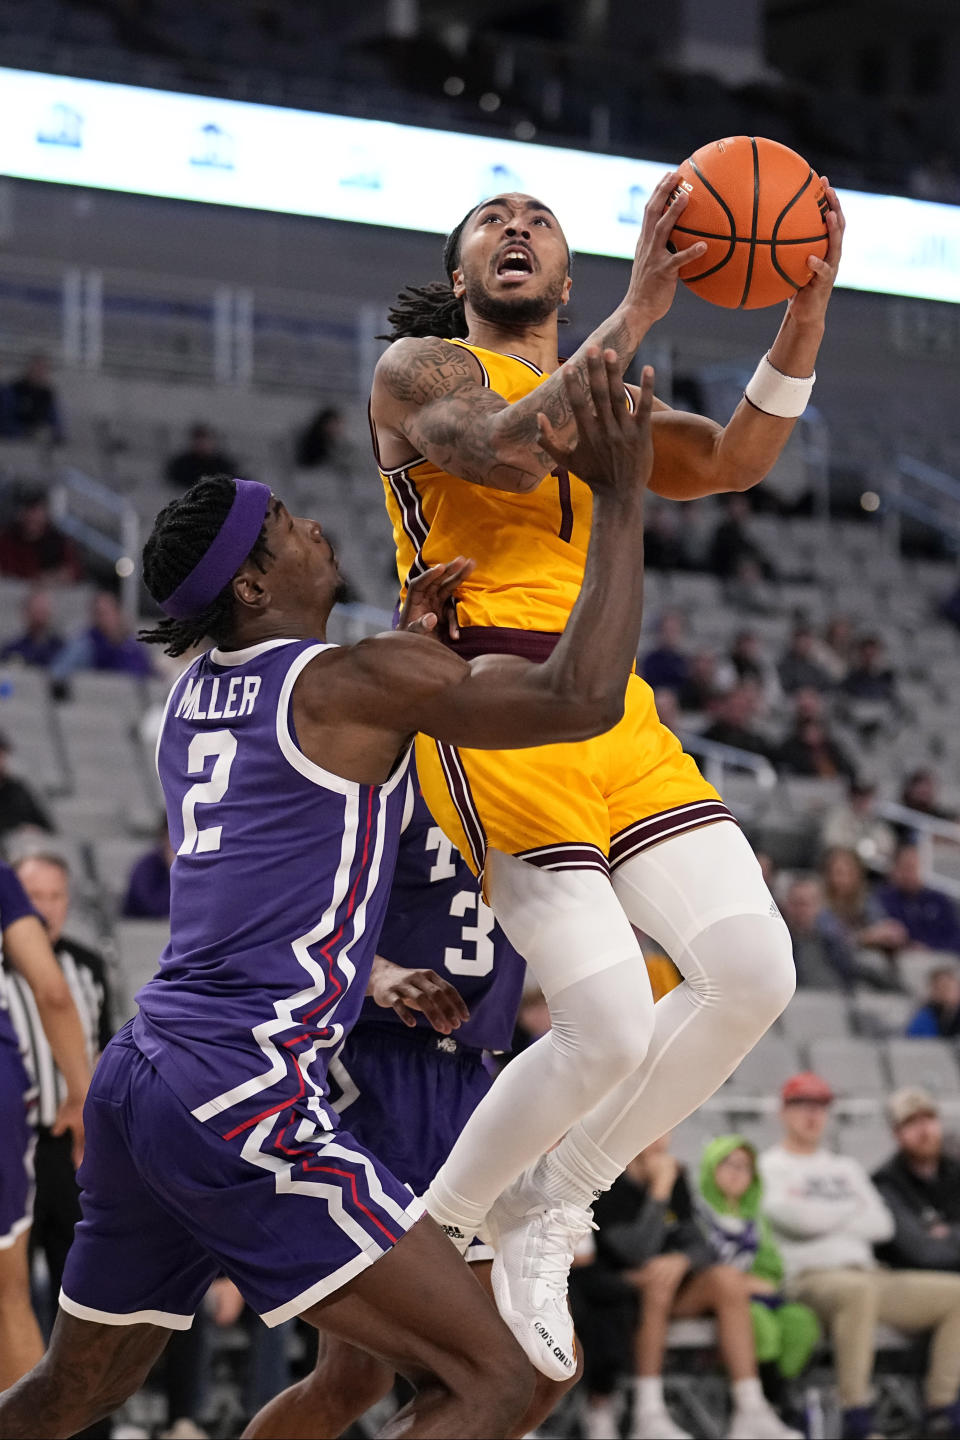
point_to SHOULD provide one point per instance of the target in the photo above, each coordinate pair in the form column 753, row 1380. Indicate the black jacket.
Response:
column 918, row 1205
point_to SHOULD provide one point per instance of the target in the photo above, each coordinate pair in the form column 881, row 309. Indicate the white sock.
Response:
column 648, row 1393
column 459, row 1218
column 578, row 1170
column 748, row 1394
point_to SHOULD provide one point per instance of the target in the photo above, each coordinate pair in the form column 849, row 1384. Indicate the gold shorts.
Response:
column 591, row 804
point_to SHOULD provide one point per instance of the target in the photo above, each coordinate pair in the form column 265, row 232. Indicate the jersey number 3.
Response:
column 465, row 901
column 223, row 745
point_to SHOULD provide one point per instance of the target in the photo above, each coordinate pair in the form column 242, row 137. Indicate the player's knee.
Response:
column 504, row 1388
column 746, row 966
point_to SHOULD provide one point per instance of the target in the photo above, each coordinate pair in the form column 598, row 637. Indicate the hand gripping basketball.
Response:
column 653, row 281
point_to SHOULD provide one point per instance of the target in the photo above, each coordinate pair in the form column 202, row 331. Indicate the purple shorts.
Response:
column 407, row 1094
column 289, row 1211
column 16, row 1147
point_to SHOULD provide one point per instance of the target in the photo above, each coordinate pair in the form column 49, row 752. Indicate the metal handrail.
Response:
column 117, row 549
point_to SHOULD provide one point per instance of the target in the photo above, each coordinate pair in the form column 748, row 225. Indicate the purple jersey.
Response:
column 278, row 890
column 436, row 918
column 14, row 905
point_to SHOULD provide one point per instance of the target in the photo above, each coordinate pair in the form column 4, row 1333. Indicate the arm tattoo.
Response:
column 474, row 433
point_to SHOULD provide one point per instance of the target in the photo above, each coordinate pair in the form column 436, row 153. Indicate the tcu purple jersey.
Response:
column 278, row 890
column 436, row 918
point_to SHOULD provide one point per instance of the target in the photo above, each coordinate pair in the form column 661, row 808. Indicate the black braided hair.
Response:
column 421, row 310
column 182, row 534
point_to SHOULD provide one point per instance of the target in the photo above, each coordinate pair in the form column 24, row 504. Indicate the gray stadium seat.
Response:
column 867, row 1140
column 929, row 1063
column 880, row 1013
column 914, row 966
column 852, row 1067
column 690, row 1137
column 814, row 1015
column 760, row 1075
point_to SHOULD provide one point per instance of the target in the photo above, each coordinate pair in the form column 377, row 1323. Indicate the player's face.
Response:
column 513, row 261
column 302, row 576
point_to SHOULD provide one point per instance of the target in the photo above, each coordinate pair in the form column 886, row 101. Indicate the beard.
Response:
column 519, row 311
column 341, row 591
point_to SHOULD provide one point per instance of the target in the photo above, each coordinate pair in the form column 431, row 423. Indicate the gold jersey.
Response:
column 530, row 549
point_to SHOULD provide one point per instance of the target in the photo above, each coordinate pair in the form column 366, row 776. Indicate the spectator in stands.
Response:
column 18, row 804
column 668, row 708
column 869, row 692
column 827, row 1216
column 751, row 663
column 201, row 457
column 106, row 644
column 667, row 665
column 809, row 748
column 40, row 641
column 45, row 877
column 730, row 1205
column 649, row 1238
column 950, row 607
column 29, row 406
column 921, row 1187
column 920, row 792
column 322, row 440
column 732, row 545
column 855, row 825
column 939, row 1016
column 31, row 546
column 148, row 888
column 849, row 900
column 734, row 717
column 822, row 952
column 930, row 917
column 799, row 669
column 707, row 679
column 663, row 544
column 833, row 652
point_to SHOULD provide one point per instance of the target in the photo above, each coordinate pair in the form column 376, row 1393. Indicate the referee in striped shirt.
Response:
column 45, row 877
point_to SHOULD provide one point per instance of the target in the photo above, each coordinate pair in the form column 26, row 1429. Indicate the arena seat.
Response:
column 931, row 1064
column 760, row 1075
column 882, row 1013
column 816, row 1014
column 852, row 1067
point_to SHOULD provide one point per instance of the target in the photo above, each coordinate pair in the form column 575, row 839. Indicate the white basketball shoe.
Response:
column 535, row 1237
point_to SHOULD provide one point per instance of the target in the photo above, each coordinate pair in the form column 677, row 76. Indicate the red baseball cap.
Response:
column 807, row 1086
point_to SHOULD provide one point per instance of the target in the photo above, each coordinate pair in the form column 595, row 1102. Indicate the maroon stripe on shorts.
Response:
column 644, row 833
column 566, row 856
column 464, row 803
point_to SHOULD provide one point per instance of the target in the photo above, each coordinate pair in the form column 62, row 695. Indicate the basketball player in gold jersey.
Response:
column 574, row 842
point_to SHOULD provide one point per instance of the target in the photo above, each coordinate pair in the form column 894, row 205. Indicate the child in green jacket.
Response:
column 729, row 1204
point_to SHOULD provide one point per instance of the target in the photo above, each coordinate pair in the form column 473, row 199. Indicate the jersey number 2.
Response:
column 223, row 745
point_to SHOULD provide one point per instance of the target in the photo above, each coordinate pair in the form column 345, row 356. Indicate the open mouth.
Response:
column 515, row 262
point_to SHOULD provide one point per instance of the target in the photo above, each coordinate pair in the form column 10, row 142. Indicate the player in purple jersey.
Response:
column 445, row 987
column 211, row 1145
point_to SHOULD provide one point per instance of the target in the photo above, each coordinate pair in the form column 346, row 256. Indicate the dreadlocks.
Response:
column 432, row 309
column 182, row 534
column 422, row 310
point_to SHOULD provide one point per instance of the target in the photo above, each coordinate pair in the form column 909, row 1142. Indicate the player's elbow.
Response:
column 589, row 716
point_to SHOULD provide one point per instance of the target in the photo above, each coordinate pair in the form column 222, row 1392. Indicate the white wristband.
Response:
column 776, row 394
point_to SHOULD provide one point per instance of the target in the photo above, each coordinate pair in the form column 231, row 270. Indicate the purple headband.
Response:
column 233, row 543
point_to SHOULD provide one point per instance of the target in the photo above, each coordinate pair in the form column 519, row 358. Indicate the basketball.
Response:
column 761, row 210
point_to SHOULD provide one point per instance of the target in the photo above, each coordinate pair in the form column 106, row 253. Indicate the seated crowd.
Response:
column 789, row 1250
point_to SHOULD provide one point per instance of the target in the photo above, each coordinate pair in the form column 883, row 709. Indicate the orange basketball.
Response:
column 761, row 210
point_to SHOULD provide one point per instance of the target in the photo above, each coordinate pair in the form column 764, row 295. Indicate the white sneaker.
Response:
column 656, row 1425
column 535, row 1237
column 760, row 1422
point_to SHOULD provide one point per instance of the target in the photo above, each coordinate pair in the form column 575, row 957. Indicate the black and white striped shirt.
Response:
column 85, row 974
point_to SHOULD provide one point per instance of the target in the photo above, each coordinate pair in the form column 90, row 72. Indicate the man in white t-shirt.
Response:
column 827, row 1216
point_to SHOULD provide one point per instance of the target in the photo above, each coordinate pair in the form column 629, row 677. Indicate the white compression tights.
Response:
column 626, row 1070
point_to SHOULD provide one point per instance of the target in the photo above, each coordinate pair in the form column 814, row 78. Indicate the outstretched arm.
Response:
column 429, row 392
column 693, row 456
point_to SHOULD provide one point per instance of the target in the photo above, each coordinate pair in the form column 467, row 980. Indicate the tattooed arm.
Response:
column 429, row 393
